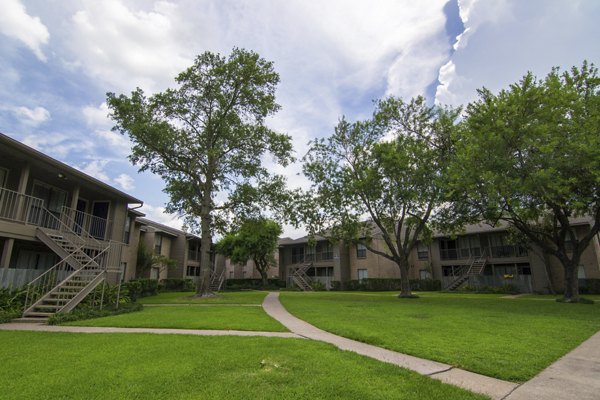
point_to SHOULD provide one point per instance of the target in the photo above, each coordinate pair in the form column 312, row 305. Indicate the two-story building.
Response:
column 57, row 222
column 481, row 255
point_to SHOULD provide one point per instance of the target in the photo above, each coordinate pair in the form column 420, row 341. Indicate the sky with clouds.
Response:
column 58, row 58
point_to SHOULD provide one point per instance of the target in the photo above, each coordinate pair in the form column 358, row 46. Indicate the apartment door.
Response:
column 98, row 224
column 79, row 217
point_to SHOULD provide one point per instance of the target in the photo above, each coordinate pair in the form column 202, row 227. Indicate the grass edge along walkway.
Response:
column 495, row 388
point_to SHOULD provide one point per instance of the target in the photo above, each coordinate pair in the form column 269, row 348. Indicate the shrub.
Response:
column 589, row 286
column 86, row 312
column 385, row 284
column 177, row 285
column 255, row 284
column 139, row 288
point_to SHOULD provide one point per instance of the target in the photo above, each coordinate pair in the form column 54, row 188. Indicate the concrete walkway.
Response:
column 574, row 376
column 90, row 329
column 495, row 388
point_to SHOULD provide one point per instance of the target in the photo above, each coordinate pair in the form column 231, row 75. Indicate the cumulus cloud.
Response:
column 159, row 215
column 32, row 116
column 125, row 181
column 16, row 23
column 95, row 168
column 125, row 47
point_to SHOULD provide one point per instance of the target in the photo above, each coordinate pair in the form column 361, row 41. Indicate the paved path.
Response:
column 574, row 376
column 90, row 329
column 495, row 388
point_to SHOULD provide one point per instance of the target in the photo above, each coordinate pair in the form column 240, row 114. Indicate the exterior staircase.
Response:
column 216, row 281
column 474, row 268
column 83, row 266
column 299, row 277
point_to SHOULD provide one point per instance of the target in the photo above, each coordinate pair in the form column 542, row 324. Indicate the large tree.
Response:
column 208, row 137
column 530, row 156
column 255, row 240
column 381, row 178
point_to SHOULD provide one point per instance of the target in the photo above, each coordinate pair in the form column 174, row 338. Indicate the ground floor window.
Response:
column 192, row 271
column 362, row 274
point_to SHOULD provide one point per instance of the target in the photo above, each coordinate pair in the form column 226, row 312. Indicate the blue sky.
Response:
column 58, row 58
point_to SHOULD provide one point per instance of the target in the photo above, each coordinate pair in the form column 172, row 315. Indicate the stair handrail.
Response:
column 87, row 235
column 43, row 276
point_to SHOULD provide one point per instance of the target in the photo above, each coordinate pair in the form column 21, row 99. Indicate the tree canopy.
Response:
column 208, row 137
column 530, row 156
column 381, row 178
column 255, row 240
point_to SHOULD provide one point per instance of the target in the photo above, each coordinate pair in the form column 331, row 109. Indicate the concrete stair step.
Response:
column 29, row 320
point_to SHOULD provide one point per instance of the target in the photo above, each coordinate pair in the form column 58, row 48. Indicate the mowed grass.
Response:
column 43, row 365
column 191, row 317
column 228, row 311
column 511, row 339
column 243, row 297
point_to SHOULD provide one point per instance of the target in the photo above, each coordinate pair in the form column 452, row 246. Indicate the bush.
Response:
column 138, row 288
column 9, row 315
column 384, row 284
column 177, row 285
column 86, row 312
column 589, row 286
column 255, row 284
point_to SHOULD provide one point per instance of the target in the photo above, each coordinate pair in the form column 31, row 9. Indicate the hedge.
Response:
column 256, row 284
column 381, row 284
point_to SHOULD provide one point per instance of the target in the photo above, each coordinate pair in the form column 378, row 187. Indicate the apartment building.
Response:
column 481, row 255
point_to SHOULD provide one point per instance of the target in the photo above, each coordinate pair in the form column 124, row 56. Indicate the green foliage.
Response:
column 208, row 136
column 146, row 259
column 530, row 156
column 590, row 286
column 384, row 284
column 12, row 303
column 391, row 168
column 255, row 240
column 86, row 312
column 177, row 285
column 253, row 284
column 138, row 288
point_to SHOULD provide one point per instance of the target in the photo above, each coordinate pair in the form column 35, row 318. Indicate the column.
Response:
column 7, row 253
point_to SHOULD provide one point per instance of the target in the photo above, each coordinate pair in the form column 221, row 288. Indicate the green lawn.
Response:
column 191, row 317
column 243, row 297
column 505, row 338
column 43, row 365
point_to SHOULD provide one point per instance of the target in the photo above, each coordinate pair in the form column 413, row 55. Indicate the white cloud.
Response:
column 32, row 116
column 125, row 47
column 125, row 181
column 16, row 23
column 159, row 215
column 97, row 119
column 95, row 168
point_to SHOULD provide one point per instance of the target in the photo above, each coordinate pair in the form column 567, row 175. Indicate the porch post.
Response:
column 7, row 253
column 75, row 198
column 22, row 188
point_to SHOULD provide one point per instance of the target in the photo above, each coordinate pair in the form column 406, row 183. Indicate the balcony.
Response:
column 21, row 208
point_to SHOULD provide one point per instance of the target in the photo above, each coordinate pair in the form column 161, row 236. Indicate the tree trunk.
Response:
column 571, row 281
column 404, row 279
column 263, row 275
column 203, row 284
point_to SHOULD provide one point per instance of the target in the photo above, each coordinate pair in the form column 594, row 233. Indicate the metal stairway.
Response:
column 216, row 281
column 300, row 278
column 83, row 266
column 474, row 268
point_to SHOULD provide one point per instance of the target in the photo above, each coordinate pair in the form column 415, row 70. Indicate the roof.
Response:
column 158, row 227
column 304, row 239
column 6, row 141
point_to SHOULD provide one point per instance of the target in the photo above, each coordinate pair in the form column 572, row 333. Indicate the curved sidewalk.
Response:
column 495, row 388
column 18, row 326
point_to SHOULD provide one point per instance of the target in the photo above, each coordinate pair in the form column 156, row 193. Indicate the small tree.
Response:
column 530, row 156
column 147, row 260
column 256, row 240
column 383, row 178
column 208, row 136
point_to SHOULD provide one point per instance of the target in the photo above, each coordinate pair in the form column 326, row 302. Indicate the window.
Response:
column 581, row 272
column 127, row 232
column 3, row 177
column 362, row 274
column 324, row 251
column 422, row 251
column 361, row 250
column 448, row 249
column 297, row 255
column 192, row 271
column 54, row 199
column 157, row 243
